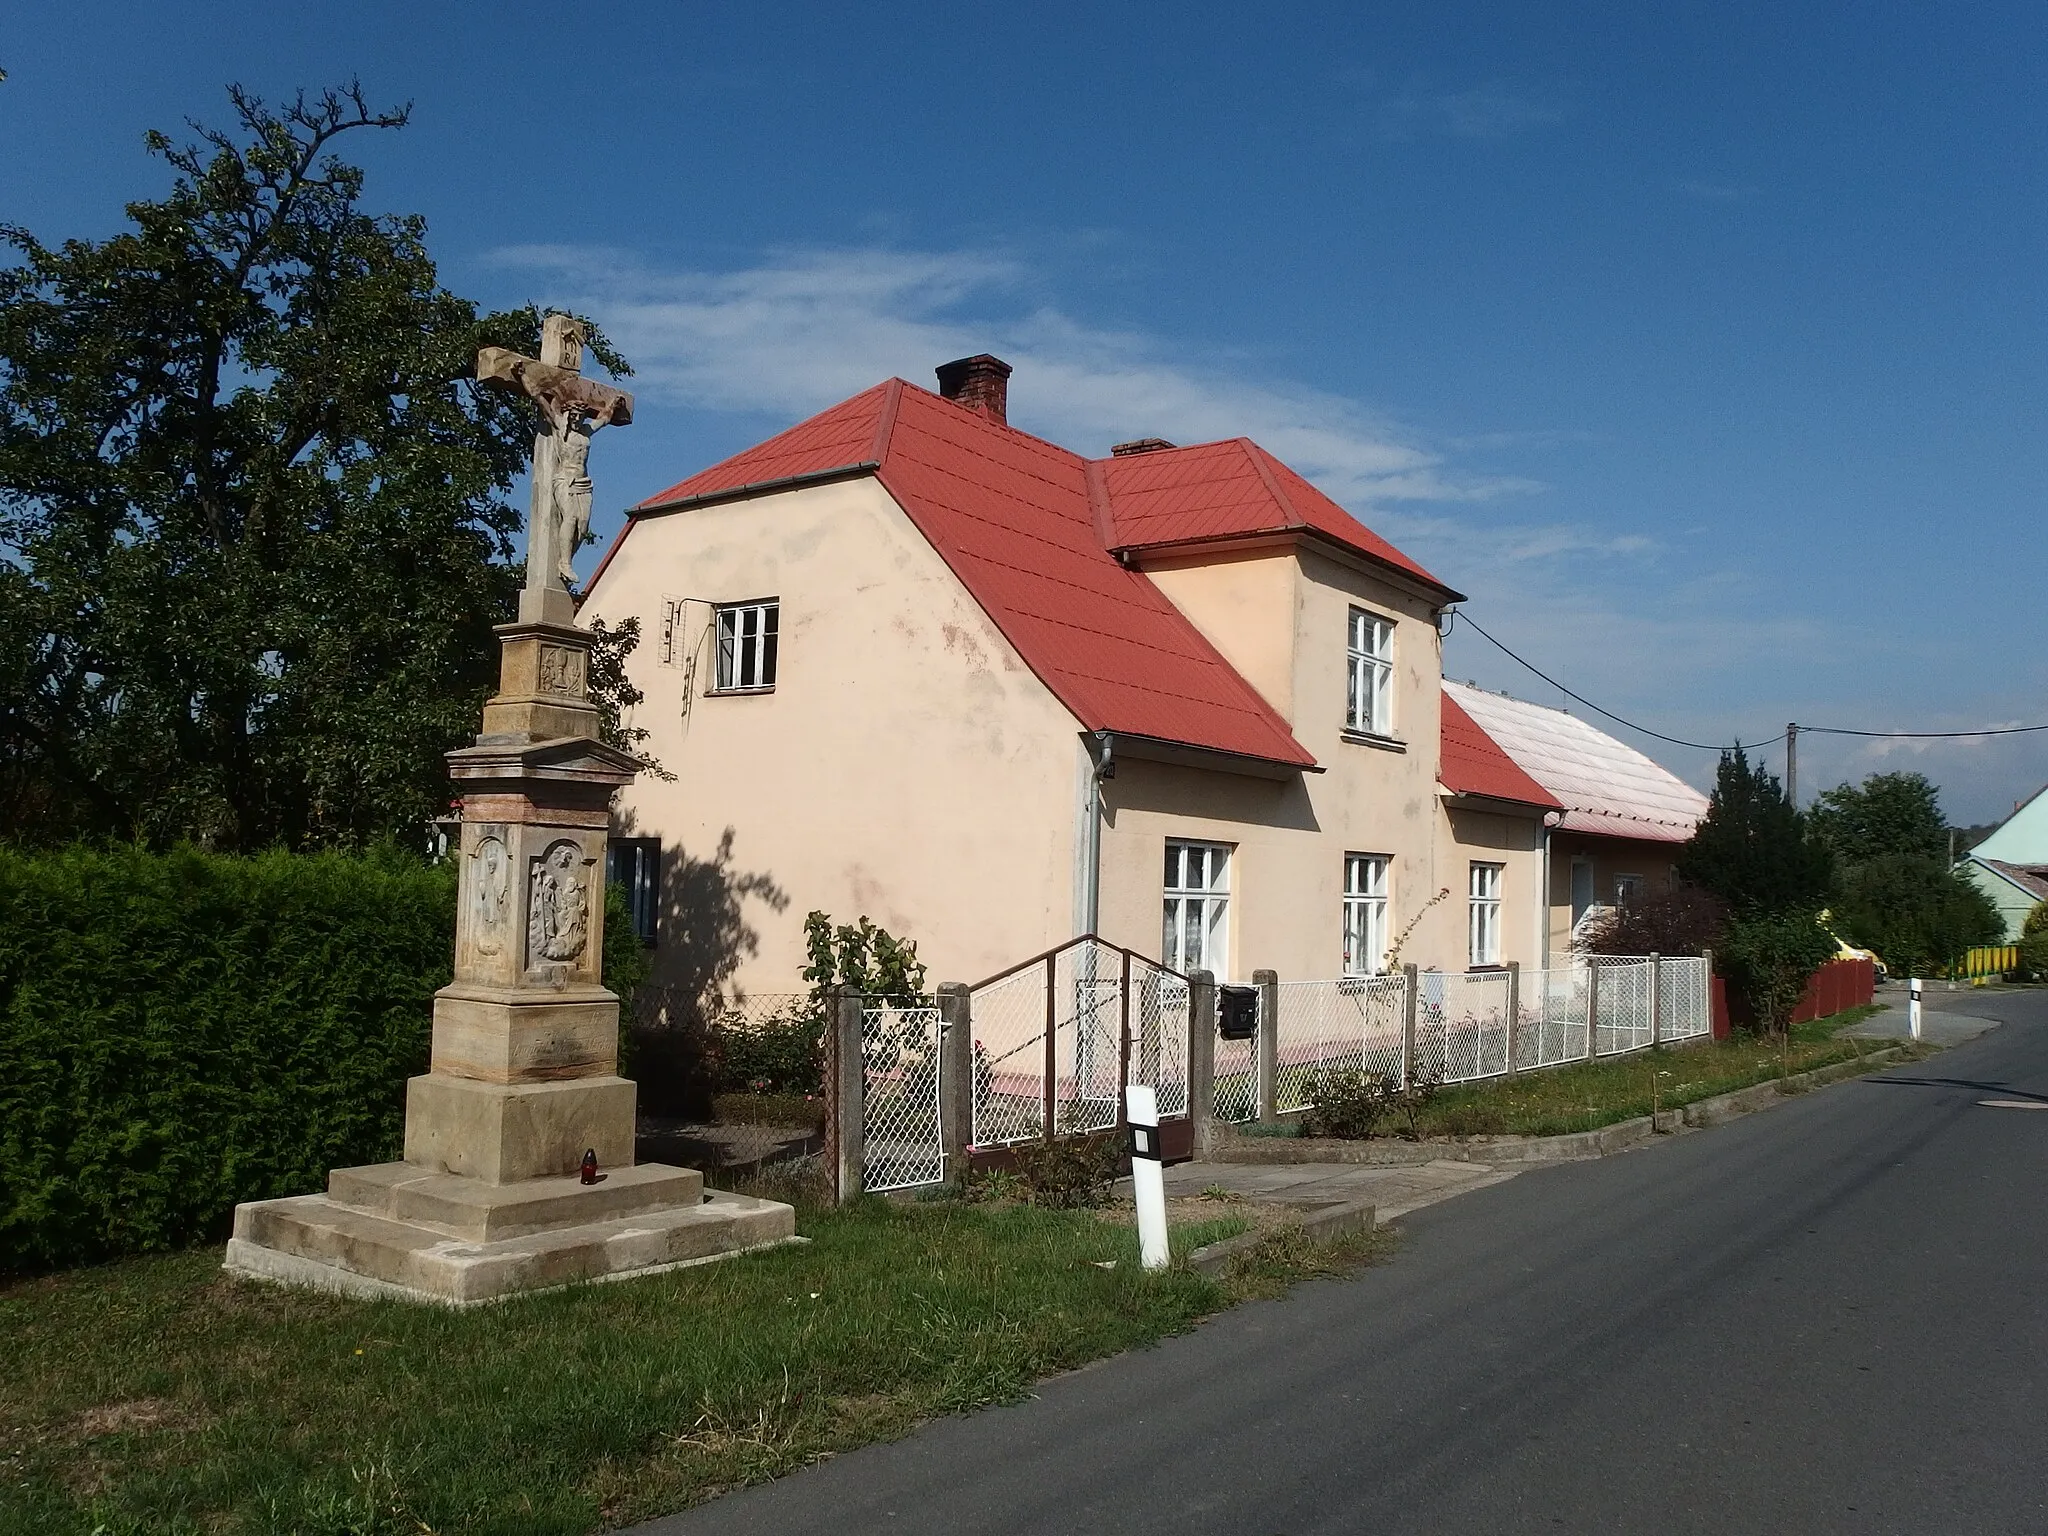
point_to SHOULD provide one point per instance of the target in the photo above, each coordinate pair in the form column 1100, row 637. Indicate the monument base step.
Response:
column 321, row 1243
column 458, row 1206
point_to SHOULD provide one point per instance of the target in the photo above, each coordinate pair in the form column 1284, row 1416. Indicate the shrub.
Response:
column 181, row 1032
column 1348, row 1104
column 1680, row 921
column 1767, row 958
column 2034, row 955
column 1071, row 1172
column 783, row 1053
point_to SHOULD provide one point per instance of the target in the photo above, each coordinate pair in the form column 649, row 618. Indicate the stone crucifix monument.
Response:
column 523, row 1091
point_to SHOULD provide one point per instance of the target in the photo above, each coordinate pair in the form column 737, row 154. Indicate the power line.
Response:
column 1700, row 746
column 1703, row 746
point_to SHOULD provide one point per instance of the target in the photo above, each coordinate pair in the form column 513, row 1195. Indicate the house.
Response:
column 2011, row 865
column 1621, row 821
column 905, row 660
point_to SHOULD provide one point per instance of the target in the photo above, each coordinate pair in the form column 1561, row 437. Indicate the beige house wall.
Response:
column 1610, row 856
column 907, row 765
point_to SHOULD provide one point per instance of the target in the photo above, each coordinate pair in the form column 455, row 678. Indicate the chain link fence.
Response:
column 903, row 1144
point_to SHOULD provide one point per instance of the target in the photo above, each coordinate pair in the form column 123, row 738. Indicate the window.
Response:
column 1195, row 931
column 1365, row 914
column 634, row 865
column 1484, row 920
column 746, row 646
column 1628, row 890
column 1369, row 675
column 671, row 631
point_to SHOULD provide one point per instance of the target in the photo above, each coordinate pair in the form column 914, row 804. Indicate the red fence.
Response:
column 1835, row 986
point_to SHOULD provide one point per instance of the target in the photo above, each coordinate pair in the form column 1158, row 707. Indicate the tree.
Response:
column 1888, row 813
column 1753, row 849
column 253, row 526
column 1915, row 912
column 1768, row 958
column 1680, row 921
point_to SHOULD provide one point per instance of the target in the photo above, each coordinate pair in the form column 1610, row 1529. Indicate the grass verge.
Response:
column 1588, row 1095
column 157, row 1395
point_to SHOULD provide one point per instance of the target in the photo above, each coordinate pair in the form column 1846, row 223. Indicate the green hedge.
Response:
column 183, row 1031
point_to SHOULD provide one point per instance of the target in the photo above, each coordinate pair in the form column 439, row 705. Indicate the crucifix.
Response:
column 572, row 408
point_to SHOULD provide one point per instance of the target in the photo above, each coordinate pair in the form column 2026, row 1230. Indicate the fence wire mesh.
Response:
column 900, row 1061
column 1461, row 1025
column 1624, row 1007
column 1352, row 1025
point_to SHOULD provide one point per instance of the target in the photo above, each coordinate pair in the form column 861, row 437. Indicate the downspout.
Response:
column 1550, row 820
column 1099, row 753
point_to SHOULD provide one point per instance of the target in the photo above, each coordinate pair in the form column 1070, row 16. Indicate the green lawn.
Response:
column 1589, row 1095
column 156, row 1395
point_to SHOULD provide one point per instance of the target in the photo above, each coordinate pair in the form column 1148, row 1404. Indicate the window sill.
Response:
column 1368, row 739
column 738, row 693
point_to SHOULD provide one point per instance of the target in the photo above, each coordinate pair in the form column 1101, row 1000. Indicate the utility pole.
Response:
column 1792, row 764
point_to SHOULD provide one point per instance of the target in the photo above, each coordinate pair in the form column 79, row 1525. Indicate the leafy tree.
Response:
column 1768, row 957
column 1888, row 813
column 253, row 526
column 1918, row 914
column 1680, row 921
column 1752, row 849
column 2034, row 943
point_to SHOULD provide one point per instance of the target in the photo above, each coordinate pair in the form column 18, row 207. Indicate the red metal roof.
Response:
column 1011, row 514
column 1231, row 489
column 1473, row 764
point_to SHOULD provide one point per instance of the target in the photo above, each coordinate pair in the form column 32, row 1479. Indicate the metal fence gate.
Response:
column 903, row 1140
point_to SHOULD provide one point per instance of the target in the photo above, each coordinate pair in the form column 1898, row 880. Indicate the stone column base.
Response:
column 504, row 1132
column 397, row 1230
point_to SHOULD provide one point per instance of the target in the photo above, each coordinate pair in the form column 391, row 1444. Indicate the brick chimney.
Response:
column 980, row 383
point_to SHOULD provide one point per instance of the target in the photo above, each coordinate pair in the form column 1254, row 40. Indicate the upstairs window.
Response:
column 1365, row 914
column 1484, row 918
column 1369, row 675
column 746, row 646
column 1196, row 921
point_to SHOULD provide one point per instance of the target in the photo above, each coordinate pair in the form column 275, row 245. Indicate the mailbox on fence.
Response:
column 1237, row 1012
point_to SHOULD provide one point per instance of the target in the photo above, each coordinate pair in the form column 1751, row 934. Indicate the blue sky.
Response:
column 1705, row 346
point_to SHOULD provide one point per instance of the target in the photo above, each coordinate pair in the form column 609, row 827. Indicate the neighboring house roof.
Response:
column 1606, row 787
column 2031, row 879
column 1473, row 764
column 2022, row 838
column 1014, row 517
column 1230, row 490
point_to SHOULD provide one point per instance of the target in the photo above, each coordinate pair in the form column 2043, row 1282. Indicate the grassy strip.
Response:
column 157, row 1395
column 1588, row 1095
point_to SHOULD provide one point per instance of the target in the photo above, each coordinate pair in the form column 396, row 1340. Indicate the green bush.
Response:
column 180, row 1032
column 783, row 1053
column 1767, row 958
column 1349, row 1104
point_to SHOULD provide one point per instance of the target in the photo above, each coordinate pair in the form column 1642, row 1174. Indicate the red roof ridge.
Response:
column 885, row 424
column 1259, row 459
column 1098, row 504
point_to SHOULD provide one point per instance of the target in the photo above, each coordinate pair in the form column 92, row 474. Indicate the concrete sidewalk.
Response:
column 1936, row 1027
column 1393, row 1191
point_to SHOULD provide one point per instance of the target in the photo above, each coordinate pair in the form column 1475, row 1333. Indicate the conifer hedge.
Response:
column 182, row 1031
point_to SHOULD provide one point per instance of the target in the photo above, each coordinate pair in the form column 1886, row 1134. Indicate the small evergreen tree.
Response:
column 1753, row 849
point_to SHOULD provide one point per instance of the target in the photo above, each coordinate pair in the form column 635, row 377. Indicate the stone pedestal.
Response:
column 524, row 1074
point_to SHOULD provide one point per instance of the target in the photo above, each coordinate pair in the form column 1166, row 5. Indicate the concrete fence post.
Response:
column 1592, row 1012
column 1268, row 983
column 1656, row 998
column 1411, row 997
column 956, row 1073
column 1202, row 1060
column 1514, row 1017
column 851, row 1082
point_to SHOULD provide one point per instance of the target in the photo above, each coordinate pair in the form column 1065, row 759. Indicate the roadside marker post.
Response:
column 1148, row 1181
column 1913, row 1010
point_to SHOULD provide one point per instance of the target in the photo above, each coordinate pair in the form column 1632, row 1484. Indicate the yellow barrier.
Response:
column 1991, row 960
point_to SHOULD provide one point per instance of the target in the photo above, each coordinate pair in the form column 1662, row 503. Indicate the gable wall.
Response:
column 908, row 766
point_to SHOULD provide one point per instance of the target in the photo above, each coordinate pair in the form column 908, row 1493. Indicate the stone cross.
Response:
column 572, row 407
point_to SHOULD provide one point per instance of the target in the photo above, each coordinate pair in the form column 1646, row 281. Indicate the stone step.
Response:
column 312, row 1240
column 469, row 1208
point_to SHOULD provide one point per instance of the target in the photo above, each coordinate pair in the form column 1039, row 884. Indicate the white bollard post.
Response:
column 1148, row 1181
column 1913, row 1010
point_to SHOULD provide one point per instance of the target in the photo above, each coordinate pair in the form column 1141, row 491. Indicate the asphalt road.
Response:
column 1829, row 1317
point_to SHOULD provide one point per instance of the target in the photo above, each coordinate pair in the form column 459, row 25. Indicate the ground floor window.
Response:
column 1195, row 925
column 1365, row 913
column 1628, row 890
column 1484, row 919
column 634, row 865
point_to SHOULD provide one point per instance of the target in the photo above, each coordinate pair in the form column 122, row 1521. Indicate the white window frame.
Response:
column 1483, row 903
column 749, row 646
column 1629, row 889
column 1365, row 913
column 1195, row 908
column 1369, row 673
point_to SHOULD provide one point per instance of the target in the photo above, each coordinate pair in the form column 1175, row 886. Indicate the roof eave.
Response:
column 756, row 488
column 1186, row 754
column 1429, row 589
column 1474, row 800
